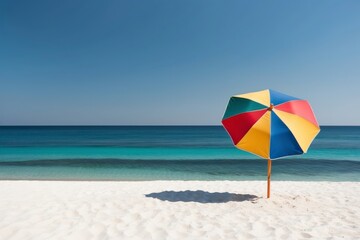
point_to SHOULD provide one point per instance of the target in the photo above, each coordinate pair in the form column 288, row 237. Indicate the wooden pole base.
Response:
column 268, row 178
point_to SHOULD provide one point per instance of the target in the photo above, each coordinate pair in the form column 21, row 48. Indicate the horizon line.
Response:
column 140, row 125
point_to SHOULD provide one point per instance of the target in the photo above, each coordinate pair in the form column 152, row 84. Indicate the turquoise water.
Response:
column 176, row 152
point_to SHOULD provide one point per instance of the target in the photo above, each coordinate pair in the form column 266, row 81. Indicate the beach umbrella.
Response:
column 270, row 125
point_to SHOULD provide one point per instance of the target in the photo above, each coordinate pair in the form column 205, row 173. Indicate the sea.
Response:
column 136, row 153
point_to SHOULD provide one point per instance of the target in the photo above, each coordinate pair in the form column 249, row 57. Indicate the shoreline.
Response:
column 178, row 210
column 168, row 180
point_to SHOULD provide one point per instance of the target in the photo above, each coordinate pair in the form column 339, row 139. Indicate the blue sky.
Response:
column 174, row 62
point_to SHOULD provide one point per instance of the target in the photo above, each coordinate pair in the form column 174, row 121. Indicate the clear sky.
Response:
column 174, row 62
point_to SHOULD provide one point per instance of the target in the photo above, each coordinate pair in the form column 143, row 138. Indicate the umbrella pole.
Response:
column 268, row 178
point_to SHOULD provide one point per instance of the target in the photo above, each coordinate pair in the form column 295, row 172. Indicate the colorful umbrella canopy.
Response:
column 270, row 124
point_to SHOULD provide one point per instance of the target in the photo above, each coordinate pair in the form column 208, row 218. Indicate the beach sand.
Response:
column 179, row 210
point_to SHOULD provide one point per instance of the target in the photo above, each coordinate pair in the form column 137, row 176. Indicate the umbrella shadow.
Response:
column 202, row 196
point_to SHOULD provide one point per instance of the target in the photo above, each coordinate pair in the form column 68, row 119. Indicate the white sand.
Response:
column 178, row 210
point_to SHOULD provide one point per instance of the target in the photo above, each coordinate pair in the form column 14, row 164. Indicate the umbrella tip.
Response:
column 271, row 107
